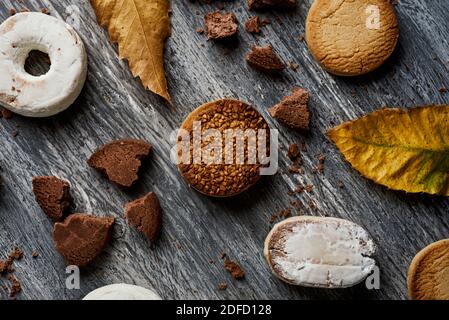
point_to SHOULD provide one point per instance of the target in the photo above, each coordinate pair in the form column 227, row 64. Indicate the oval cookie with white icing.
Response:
column 319, row 252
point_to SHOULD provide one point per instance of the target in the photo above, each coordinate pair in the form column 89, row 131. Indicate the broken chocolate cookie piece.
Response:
column 293, row 110
column 234, row 269
column 82, row 237
column 53, row 195
column 145, row 214
column 120, row 160
column 264, row 4
column 264, row 59
column 221, row 25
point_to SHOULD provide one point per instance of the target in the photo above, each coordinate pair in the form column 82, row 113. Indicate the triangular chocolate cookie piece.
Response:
column 120, row 160
column 293, row 110
column 264, row 59
column 145, row 214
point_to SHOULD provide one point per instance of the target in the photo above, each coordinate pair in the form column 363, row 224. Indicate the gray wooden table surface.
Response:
column 198, row 229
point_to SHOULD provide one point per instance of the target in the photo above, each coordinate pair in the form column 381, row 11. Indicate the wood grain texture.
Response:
column 196, row 228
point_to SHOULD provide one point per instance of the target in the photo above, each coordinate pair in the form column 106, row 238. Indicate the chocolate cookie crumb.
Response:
column 35, row 254
column 7, row 266
column 16, row 287
column 145, row 214
column 45, row 11
column 222, row 286
column 53, row 195
column 293, row 110
column 309, row 188
column 293, row 152
column 293, row 66
column 341, row 185
column 263, row 4
column 234, row 269
column 295, row 169
column 82, row 237
column 443, row 90
column 221, row 25
column 12, row 11
column 6, row 114
column 16, row 254
column 299, row 189
column 253, row 25
column 283, row 214
column 120, row 160
column 264, row 59
column 320, row 167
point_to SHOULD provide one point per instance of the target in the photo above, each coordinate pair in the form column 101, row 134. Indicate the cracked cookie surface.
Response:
column 428, row 275
column 350, row 38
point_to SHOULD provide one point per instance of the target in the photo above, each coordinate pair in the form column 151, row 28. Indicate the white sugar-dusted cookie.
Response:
column 122, row 291
column 319, row 252
column 53, row 92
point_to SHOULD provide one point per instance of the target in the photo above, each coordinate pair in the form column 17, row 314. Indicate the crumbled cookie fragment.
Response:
column 253, row 25
column 82, row 237
column 221, row 25
column 234, row 269
column 120, row 160
column 293, row 152
column 35, row 254
column 293, row 110
column 293, row 65
column 295, row 169
column 53, row 195
column 7, row 267
column 264, row 4
column 12, row 11
column 145, row 214
column 320, row 167
column 222, row 286
column 16, row 287
column 443, row 90
column 264, row 59
column 6, row 113
column 309, row 188
column 283, row 214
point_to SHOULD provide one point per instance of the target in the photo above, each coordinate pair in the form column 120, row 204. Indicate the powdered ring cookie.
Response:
column 350, row 38
column 209, row 157
column 428, row 275
column 53, row 92
column 319, row 252
column 121, row 291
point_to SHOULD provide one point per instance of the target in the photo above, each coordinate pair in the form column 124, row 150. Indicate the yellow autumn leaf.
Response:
column 140, row 27
column 401, row 149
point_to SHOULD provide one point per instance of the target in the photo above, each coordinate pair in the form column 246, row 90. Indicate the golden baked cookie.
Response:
column 218, row 171
column 428, row 275
column 351, row 37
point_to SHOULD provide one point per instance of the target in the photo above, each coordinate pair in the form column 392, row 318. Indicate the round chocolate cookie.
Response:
column 220, row 145
column 351, row 38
